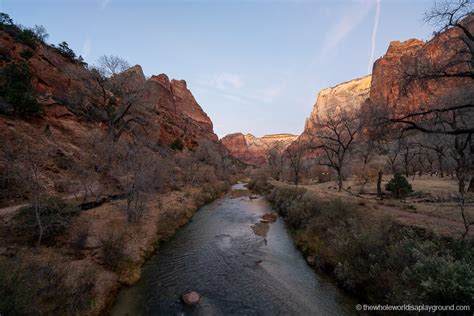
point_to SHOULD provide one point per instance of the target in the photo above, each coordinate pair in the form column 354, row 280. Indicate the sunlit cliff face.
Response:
column 254, row 150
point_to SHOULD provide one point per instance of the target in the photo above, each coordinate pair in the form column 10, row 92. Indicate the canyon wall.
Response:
column 351, row 94
column 59, row 81
column 69, row 132
column 414, row 75
column 254, row 150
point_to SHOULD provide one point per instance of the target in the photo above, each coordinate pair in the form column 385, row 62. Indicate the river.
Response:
column 237, row 271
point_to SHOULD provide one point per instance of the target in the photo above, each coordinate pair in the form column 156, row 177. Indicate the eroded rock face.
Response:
column 415, row 75
column 178, row 113
column 412, row 75
column 254, row 150
column 348, row 94
column 59, row 81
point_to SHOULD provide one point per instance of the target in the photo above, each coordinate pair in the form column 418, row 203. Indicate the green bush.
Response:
column 55, row 215
column 64, row 50
column 16, row 89
column 282, row 197
column 26, row 54
column 177, row 144
column 441, row 279
column 399, row 186
column 23, row 35
column 5, row 19
column 302, row 209
column 27, row 37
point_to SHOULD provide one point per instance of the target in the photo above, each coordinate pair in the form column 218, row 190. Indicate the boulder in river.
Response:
column 270, row 217
column 192, row 298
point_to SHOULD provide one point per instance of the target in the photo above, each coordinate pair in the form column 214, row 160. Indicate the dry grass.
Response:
column 164, row 215
column 422, row 211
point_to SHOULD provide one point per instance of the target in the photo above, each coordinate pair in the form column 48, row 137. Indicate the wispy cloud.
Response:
column 224, row 80
column 344, row 26
column 86, row 47
column 232, row 87
column 374, row 35
column 104, row 4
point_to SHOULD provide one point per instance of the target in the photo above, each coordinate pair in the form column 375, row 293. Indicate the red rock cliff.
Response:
column 415, row 75
column 176, row 114
column 254, row 150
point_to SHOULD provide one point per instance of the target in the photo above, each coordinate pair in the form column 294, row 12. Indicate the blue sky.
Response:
column 254, row 66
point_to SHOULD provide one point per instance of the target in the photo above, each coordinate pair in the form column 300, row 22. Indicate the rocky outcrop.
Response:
column 178, row 113
column 69, row 133
column 62, row 83
column 351, row 94
column 412, row 76
column 254, row 150
column 415, row 75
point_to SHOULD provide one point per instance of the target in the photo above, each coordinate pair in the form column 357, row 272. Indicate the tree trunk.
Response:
column 461, row 184
column 379, row 185
column 38, row 222
column 440, row 163
column 339, row 180
column 470, row 188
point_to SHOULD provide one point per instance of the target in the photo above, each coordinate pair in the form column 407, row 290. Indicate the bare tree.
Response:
column 294, row 155
column 276, row 161
column 110, row 65
column 136, row 177
column 334, row 137
column 40, row 32
column 115, row 102
column 28, row 171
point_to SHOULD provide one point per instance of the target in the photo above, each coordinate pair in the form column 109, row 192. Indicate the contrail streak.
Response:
column 374, row 35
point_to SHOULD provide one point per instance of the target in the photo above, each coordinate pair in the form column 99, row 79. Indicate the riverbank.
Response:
column 82, row 272
column 379, row 259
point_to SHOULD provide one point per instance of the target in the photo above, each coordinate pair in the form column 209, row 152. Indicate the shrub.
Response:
column 23, row 35
column 39, row 287
column 5, row 19
column 27, row 37
column 16, row 89
column 399, row 186
column 112, row 247
column 177, row 144
column 282, row 197
column 381, row 261
column 79, row 239
column 26, row 54
column 64, row 50
column 302, row 209
column 441, row 279
column 55, row 215
column 259, row 184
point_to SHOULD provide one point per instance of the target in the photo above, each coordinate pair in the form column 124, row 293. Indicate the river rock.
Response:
column 270, row 217
column 192, row 298
column 310, row 260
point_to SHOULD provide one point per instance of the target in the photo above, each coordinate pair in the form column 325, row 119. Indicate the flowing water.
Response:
column 237, row 270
